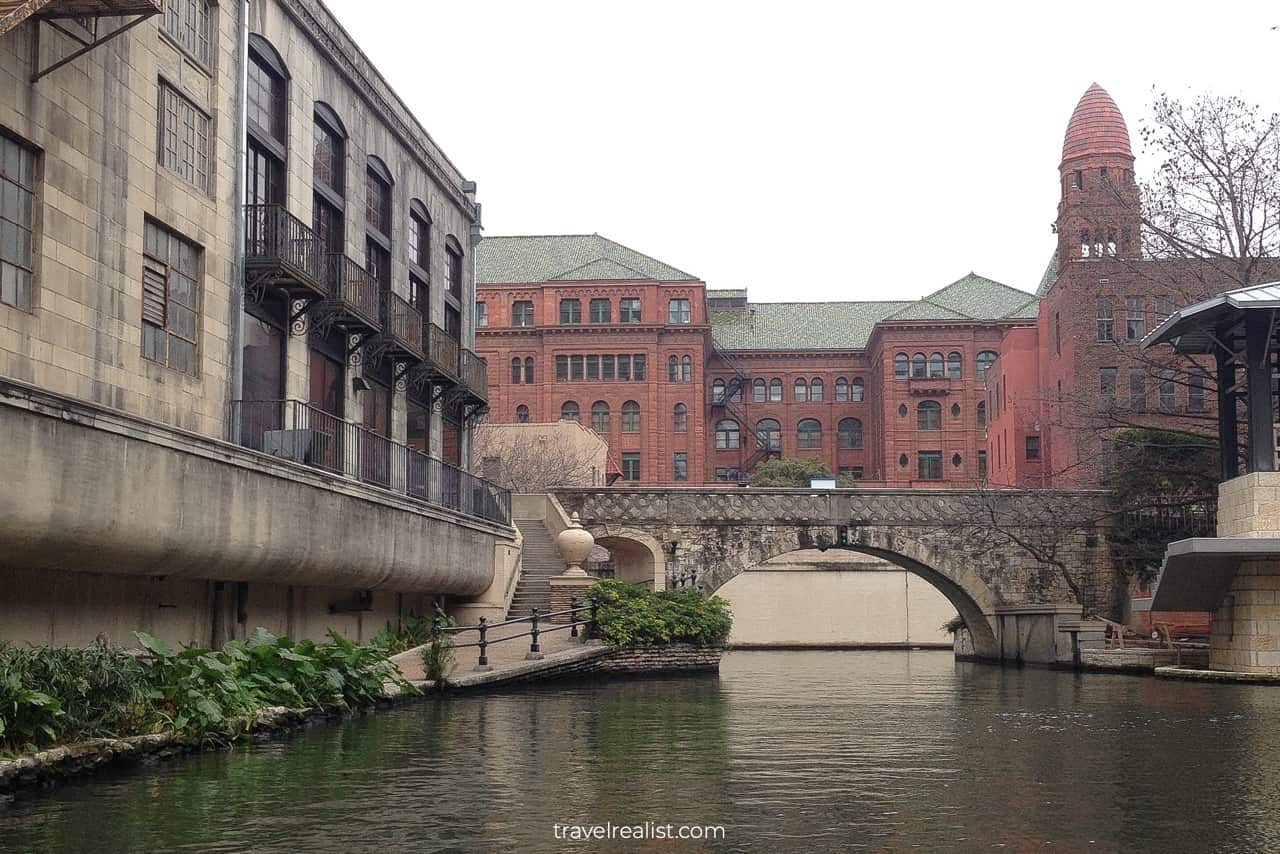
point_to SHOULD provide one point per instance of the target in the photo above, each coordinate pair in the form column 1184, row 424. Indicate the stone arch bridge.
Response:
column 1015, row 564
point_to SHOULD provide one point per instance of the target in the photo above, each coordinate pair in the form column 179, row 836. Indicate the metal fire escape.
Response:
column 77, row 20
column 731, row 404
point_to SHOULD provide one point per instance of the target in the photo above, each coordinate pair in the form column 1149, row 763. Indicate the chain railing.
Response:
column 590, row 626
column 303, row 433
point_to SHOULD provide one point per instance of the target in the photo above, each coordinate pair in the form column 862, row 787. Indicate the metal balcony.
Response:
column 402, row 328
column 351, row 296
column 280, row 251
column 442, row 353
column 475, row 377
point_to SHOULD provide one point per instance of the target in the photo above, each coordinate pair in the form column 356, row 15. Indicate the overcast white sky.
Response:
column 807, row 151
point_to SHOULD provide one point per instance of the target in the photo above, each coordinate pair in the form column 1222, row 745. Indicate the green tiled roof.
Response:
column 848, row 325
column 568, row 258
column 1050, row 277
column 799, row 325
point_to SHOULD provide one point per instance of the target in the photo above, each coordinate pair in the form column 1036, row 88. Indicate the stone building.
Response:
column 236, row 365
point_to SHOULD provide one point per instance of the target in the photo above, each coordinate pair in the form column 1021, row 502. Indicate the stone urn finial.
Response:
column 575, row 543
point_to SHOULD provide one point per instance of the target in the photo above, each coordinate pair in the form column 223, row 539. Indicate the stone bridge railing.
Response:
column 768, row 506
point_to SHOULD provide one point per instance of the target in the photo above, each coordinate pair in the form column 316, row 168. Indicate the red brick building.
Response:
column 892, row 393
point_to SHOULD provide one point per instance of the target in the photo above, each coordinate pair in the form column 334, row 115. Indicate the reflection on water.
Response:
column 790, row 751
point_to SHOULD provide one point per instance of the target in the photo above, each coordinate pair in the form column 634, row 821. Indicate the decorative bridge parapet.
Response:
column 987, row 550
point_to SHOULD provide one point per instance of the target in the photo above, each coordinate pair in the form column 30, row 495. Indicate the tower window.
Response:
column 1077, row 180
column 1084, row 243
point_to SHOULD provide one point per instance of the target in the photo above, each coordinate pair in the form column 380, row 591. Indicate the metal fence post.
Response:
column 535, row 652
column 483, row 663
column 573, row 617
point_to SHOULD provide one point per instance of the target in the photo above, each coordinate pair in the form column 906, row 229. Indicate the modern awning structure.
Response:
column 1238, row 328
column 1197, row 572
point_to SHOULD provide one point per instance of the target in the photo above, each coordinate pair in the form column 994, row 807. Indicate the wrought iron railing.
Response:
column 584, row 614
column 442, row 350
column 402, row 323
column 475, row 374
column 276, row 238
column 351, row 289
column 297, row 431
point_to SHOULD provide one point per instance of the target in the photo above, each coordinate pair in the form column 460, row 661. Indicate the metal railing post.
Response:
column 535, row 651
column 573, row 617
column 483, row 663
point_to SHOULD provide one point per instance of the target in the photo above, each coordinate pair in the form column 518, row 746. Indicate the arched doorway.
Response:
column 635, row 556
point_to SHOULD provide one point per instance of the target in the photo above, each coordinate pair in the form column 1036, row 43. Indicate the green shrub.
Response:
column 953, row 625
column 629, row 615
column 52, row 695
column 437, row 654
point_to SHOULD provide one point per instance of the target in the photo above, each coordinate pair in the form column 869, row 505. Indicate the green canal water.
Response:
column 788, row 751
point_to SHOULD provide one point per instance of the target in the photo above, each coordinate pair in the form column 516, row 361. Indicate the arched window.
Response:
column 569, row 411
column 727, row 436
column 759, row 391
column 849, row 433
column 686, row 369
column 377, row 222
column 769, row 434
column 858, row 390
column 955, row 366
column 268, row 141
column 918, row 367
column 630, row 417
column 802, row 391
column 984, row 360
column 328, row 170
column 937, row 368
column 600, row 416
column 901, row 366
column 982, row 416
column 816, row 390
column 673, row 369
column 809, row 433
column 528, row 371
column 680, row 419
column 522, row 413
column 842, row 390
column 717, row 391
column 775, row 390
column 516, row 373
column 929, row 415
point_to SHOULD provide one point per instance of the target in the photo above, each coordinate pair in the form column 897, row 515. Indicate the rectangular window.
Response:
column 1106, row 320
column 1167, row 391
column 1107, row 385
column 680, row 467
column 1138, row 389
column 852, row 472
column 1077, row 180
column 184, row 138
column 419, row 242
column 570, row 312
column 482, row 314
column 17, row 218
column 1133, row 320
column 187, row 21
column 606, row 368
column 562, row 369
column 1164, row 308
column 1195, row 392
column 593, row 367
column 624, row 368
column 453, row 272
column 170, row 298
column 678, row 311
column 630, row 466
column 629, row 310
column 575, row 369
column 600, row 311
column 1033, row 447
column 930, row 465
column 637, row 367
column 452, row 322
column 522, row 313
column 982, row 465
column 728, row 475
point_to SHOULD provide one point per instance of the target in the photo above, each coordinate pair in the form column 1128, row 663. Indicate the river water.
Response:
column 787, row 751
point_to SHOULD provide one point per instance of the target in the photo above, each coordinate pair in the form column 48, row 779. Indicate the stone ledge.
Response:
column 1217, row 675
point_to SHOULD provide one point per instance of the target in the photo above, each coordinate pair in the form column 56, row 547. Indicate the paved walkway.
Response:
column 505, row 658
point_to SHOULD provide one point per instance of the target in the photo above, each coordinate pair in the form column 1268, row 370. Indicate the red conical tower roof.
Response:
column 1096, row 127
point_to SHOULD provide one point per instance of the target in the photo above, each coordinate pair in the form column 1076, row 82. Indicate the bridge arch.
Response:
column 946, row 570
column 637, row 556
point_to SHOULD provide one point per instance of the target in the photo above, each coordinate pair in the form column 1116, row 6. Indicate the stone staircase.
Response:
column 540, row 559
